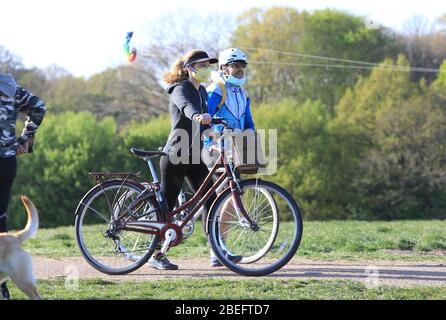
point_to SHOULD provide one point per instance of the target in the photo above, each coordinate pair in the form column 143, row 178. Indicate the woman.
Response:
column 188, row 115
column 13, row 100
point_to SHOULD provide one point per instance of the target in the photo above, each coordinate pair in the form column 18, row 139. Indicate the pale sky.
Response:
column 86, row 36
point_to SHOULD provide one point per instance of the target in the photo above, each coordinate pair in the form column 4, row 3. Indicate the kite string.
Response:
column 361, row 64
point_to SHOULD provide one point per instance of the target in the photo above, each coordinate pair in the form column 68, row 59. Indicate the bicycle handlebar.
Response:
column 222, row 121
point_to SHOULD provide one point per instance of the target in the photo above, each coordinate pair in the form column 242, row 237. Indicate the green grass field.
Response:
column 421, row 241
column 265, row 289
column 347, row 240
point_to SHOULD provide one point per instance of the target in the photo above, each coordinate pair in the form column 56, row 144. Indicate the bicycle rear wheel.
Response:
column 271, row 244
column 105, row 247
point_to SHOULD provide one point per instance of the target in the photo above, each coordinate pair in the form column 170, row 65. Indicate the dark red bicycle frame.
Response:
column 208, row 194
column 150, row 227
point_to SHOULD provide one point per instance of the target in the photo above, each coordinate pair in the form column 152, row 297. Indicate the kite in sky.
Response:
column 131, row 53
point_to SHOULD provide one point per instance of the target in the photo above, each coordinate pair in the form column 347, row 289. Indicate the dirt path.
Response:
column 403, row 274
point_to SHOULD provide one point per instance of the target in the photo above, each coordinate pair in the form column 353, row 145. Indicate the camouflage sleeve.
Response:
column 35, row 109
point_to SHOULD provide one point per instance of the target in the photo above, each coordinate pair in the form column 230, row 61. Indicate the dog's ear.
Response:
column 24, row 198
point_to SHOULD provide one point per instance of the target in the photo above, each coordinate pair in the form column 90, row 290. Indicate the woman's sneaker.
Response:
column 216, row 263
column 160, row 262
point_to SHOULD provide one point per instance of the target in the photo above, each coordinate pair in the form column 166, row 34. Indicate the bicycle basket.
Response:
column 247, row 152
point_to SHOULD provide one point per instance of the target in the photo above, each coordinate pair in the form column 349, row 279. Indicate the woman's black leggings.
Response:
column 8, row 170
column 172, row 177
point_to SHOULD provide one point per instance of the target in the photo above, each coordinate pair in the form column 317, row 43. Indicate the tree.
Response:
column 33, row 80
column 304, row 156
column 126, row 93
column 384, row 88
column 337, row 34
column 54, row 72
column 326, row 33
column 424, row 45
column 149, row 135
column 440, row 82
column 9, row 63
column 175, row 33
column 258, row 30
column 404, row 175
column 397, row 129
column 68, row 146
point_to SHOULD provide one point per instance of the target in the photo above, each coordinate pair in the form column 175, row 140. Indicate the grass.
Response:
column 209, row 289
column 333, row 240
column 423, row 241
column 396, row 240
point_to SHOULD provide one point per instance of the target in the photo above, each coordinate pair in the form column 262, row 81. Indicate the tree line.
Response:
column 355, row 141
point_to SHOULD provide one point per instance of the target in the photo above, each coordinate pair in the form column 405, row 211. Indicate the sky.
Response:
column 87, row 36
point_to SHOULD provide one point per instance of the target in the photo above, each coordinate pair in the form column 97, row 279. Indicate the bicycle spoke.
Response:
column 259, row 213
column 97, row 213
column 230, row 213
column 231, row 223
column 254, row 198
column 258, row 205
column 126, row 193
column 227, row 231
column 267, row 217
column 241, row 233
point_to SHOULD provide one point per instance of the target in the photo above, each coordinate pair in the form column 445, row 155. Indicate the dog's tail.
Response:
column 33, row 220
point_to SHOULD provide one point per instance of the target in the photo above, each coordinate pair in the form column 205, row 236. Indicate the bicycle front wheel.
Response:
column 270, row 243
column 105, row 247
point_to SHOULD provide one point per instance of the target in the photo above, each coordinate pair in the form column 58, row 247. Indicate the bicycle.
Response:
column 120, row 222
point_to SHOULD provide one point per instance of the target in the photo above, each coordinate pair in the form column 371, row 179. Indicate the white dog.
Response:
column 15, row 263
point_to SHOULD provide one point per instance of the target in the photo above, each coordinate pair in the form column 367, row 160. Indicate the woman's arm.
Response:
column 181, row 98
column 35, row 109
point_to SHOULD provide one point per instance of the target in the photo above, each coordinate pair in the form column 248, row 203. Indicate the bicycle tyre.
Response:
column 292, row 243
column 81, row 212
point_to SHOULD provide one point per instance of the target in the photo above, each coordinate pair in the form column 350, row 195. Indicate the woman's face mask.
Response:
column 203, row 74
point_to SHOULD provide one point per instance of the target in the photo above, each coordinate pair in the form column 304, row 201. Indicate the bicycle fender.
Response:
column 91, row 190
column 83, row 198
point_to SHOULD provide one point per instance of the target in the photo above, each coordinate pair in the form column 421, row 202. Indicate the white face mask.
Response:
column 235, row 81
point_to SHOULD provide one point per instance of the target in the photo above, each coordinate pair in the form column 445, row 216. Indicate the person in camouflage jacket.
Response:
column 13, row 100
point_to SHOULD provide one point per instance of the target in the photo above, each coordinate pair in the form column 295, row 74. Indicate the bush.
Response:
column 68, row 147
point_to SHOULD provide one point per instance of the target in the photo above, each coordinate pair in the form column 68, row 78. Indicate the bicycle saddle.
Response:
column 144, row 154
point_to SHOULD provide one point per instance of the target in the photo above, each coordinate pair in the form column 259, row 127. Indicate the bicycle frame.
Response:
column 199, row 199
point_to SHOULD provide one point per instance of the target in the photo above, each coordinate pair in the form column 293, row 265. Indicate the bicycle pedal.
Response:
column 171, row 236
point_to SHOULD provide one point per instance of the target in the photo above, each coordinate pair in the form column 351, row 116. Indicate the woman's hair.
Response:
column 178, row 72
